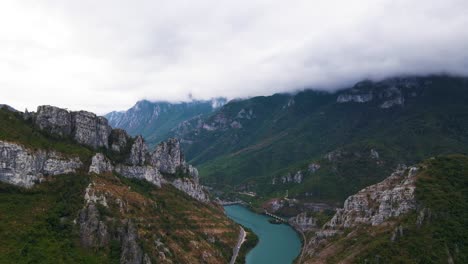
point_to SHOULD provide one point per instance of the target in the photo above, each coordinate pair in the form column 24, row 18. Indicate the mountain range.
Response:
column 323, row 147
column 154, row 120
column 373, row 173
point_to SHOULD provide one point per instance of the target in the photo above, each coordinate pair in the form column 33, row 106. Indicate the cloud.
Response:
column 105, row 55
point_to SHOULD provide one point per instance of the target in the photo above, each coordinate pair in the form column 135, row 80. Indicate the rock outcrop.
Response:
column 168, row 156
column 138, row 152
column 131, row 252
column 54, row 120
column 100, row 164
column 191, row 188
column 24, row 167
column 84, row 127
column 374, row 204
column 192, row 172
column 93, row 232
column 371, row 206
column 137, row 162
column 303, row 222
column 147, row 173
column 90, row 130
column 289, row 178
column 313, row 167
column 388, row 93
column 356, row 98
column 119, row 140
column 374, row 154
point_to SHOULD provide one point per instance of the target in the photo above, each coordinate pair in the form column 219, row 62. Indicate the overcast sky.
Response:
column 103, row 55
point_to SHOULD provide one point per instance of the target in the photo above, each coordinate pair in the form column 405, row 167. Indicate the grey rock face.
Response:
column 100, row 164
column 138, row 152
column 236, row 125
column 24, row 167
column 303, row 222
column 54, row 120
column 374, row 154
column 147, row 173
column 357, row 98
column 130, row 248
column 374, row 204
column 90, row 130
column 276, row 205
column 168, row 156
column 118, row 140
column 387, row 93
column 313, row 167
column 92, row 196
column 392, row 102
column 298, row 177
column 335, row 155
column 193, row 172
column 245, row 114
column 191, row 188
column 289, row 178
column 93, row 232
column 84, row 127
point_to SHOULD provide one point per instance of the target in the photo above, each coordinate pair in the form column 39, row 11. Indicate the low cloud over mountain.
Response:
column 105, row 55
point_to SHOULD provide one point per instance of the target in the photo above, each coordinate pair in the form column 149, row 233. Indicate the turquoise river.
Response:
column 278, row 244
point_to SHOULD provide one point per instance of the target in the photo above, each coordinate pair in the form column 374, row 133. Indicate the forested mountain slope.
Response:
column 338, row 142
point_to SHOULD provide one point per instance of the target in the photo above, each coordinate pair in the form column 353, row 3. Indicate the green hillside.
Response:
column 286, row 133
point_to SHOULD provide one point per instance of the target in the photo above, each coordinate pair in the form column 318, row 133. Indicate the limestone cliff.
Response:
column 167, row 156
column 93, row 231
column 90, row 130
column 138, row 152
column 387, row 94
column 372, row 206
column 375, row 204
column 119, row 140
column 147, row 173
column 100, row 164
column 134, row 160
column 84, row 127
column 192, row 188
column 22, row 166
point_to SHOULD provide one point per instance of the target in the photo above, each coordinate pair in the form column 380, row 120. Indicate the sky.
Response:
column 105, row 55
